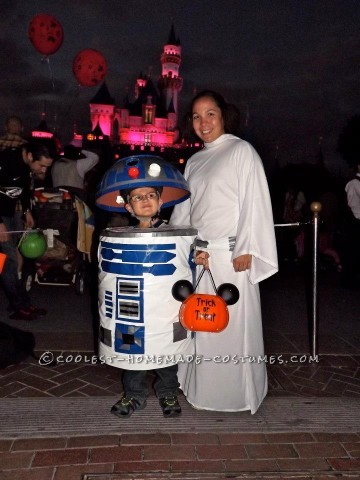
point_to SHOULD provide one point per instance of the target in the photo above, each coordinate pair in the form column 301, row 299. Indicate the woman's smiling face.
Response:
column 207, row 119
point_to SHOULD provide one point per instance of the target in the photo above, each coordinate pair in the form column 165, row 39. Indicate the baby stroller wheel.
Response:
column 80, row 281
column 28, row 280
column 28, row 275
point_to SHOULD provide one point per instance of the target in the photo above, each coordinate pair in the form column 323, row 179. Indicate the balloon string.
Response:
column 66, row 114
column 23, row 231
column 47, row 60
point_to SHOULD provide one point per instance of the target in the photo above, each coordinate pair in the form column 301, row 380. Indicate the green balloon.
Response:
column 33, row 245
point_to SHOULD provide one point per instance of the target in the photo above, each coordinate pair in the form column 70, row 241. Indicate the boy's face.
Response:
column 144, row 202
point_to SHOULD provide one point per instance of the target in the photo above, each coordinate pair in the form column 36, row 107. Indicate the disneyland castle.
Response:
column 150, row 117
column 146, row 121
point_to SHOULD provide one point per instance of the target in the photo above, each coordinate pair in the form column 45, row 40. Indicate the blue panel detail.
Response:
column 123, row 299
column 170, row 173
column 137, row 257
column 130, row 246
column 129, row 339
column 137, row 270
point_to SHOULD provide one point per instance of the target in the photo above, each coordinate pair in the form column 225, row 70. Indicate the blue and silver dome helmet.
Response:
column 140, row 171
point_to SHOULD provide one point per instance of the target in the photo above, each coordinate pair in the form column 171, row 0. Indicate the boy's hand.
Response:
column 202, row 258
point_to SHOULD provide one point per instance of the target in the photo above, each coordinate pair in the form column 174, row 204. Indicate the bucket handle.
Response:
column 200, row 277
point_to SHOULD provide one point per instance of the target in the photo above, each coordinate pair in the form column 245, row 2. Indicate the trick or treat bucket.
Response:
column 139, row 317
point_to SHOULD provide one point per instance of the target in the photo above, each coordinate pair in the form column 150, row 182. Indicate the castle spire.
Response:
column 172, row 40
column 170, row 83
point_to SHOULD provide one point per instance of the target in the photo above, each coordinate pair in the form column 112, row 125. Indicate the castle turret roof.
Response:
column 103, row 97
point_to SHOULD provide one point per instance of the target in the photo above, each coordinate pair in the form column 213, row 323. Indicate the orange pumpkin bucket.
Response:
column 203, row 312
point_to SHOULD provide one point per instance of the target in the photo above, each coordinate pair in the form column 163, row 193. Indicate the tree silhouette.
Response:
column 349, row 141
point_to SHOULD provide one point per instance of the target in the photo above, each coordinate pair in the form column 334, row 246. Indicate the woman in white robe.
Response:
column 230, row 207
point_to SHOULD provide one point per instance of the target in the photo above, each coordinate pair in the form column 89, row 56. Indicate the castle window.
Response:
column 147, row 138
column 148, row 114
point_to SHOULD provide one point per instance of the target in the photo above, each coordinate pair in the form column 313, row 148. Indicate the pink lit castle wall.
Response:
column 151, row 118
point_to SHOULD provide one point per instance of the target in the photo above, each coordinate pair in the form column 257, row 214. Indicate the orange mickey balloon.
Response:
column 89, row 67
column 46, row 33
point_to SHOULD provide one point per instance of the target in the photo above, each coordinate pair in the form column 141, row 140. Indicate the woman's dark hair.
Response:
column 230, row 113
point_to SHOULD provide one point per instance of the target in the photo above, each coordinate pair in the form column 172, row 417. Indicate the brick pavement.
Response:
column 304, row 455
column 321, row 455
column 330, row 376
column 282, row 455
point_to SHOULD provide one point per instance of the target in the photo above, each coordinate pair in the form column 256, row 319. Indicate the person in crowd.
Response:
column 144, row 203
column 230, row 207
column 13, row 137
column 70, row 170
column 16, row 174
column 351, row 254
column 330, row 222
column 294, row 205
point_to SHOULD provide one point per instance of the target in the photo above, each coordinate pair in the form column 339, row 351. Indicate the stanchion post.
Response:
column 315, row 208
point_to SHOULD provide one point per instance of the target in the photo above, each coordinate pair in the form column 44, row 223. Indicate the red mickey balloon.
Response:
column 89, row 67
column 46, row 33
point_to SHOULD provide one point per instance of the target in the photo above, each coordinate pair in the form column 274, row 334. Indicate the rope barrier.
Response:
column 315, row 208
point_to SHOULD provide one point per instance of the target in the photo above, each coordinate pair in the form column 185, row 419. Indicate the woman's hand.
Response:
column 242, row 263
column 201, row 258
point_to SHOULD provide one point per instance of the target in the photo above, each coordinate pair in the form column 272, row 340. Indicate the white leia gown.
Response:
column 230, row 198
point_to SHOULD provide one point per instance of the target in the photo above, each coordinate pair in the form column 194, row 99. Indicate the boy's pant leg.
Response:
column 166, row 382
column 135, row 384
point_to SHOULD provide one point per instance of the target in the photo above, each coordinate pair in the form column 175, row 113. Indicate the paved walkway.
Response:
column 55, row 421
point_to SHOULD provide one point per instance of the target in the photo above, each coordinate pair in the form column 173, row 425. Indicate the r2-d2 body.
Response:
column 139, row 318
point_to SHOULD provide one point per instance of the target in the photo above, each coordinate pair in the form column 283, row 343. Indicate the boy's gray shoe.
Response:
column 126, row 406
column 170, row 406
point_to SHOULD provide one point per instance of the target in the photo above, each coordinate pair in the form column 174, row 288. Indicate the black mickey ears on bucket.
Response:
column 182, row 289
column 229, row 293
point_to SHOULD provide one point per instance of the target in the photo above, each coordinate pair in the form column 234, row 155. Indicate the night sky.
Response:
column 292, row 67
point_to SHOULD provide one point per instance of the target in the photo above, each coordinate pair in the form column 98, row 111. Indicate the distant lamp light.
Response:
column 116, row 156
column 181, row 161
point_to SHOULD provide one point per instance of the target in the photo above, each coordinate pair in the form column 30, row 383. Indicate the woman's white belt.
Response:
column 226, row 243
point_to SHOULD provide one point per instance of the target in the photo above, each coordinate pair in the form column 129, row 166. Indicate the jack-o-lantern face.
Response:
column 202, row 312
column 46, row 34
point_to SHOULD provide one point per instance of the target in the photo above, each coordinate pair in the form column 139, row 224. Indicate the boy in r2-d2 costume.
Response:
column 144, row 203
column 137, row 331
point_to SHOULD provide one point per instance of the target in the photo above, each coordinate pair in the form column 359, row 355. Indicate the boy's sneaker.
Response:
column 23, row 314
column 170, row 406
column 126, row 406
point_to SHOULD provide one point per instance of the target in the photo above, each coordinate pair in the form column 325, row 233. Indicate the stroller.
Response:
column 68, row 224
